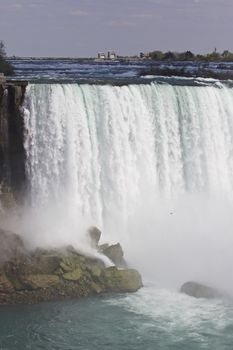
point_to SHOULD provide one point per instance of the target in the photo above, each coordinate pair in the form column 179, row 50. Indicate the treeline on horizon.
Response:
column 5, row 67
column 190, row 56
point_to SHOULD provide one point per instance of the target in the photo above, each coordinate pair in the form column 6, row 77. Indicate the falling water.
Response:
column 150, row 164
column 106, row 147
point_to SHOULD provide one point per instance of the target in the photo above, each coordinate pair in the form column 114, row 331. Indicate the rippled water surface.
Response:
column 149, row 319
column 69, row 69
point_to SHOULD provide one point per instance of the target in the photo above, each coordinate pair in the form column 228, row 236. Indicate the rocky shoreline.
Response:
column 42, row 275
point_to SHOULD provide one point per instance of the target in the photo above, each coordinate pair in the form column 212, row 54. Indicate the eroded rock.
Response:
column 115, row 254
column 11, row 245
column 127, row 280
column 94, row 235
column 28, row 277
column 198, row 290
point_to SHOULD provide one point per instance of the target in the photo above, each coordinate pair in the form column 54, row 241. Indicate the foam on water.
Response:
column 178, row 320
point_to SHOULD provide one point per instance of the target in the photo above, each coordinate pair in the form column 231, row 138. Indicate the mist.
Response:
column 188, row 239
column 52, row 226
column 170, row 241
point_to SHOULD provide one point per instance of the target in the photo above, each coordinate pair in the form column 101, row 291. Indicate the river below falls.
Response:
column 152, row 318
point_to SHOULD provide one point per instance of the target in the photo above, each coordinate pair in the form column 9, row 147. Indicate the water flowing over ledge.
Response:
column 106, row 148
column 150, row 164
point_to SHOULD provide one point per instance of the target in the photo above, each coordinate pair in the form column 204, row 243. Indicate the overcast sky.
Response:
column 84, row 27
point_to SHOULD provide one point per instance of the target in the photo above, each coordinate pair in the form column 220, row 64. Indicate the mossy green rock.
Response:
column 42, row 264
column 74, row 275
column 127, row 280
column 40, row 281
column 97, row 288
column 95, row 271
column 40, row 275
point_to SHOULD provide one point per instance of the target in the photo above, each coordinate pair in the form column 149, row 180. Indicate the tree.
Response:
column 156, row 55
column 169, row 56
column 5, row 67
column 2, row 49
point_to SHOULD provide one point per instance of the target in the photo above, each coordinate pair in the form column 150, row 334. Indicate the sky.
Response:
column 84, row 27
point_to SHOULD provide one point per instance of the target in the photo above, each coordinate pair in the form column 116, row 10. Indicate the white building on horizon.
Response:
column 112, row 55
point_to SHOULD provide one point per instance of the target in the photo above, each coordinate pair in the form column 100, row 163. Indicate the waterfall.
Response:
column 105, row 149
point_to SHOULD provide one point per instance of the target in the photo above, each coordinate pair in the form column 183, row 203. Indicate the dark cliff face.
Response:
column 12, row 154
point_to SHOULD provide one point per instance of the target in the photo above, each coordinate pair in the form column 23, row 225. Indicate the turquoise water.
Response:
column 149, row 319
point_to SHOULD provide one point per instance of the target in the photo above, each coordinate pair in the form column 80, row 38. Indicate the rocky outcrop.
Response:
column 94, row 235
column 12, row 155
column 39, row 275
column 114, row 253
column 199, row 290
column 11, row 246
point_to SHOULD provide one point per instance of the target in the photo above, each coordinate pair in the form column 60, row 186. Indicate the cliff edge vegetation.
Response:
column 5, row 67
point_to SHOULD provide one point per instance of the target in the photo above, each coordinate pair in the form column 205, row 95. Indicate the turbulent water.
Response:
column 71, row 69
column 150, row 319
column 152, row 165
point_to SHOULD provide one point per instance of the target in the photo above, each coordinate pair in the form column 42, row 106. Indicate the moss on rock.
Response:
column 40, row 281
column 74, row 275
column 127, row 280
column 29, row 277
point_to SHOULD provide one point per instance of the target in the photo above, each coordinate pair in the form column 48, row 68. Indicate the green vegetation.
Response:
column 5, row 67
column 189, row 56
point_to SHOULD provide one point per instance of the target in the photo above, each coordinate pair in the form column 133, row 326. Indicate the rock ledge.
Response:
column 41, row 275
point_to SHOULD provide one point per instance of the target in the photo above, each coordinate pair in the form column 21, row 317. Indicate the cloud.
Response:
column 11, row 7
column 146, row 15
column 121, row 23
column 79, row 13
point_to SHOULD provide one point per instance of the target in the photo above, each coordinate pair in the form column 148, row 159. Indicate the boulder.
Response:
column 40, row 281
column 127, row 280
column 74, row 275
column 94, row 235
column 102, row 247
column 43, row 264
column 5, row 284
column 198, row 290
column 11, row 246
column 115, row 254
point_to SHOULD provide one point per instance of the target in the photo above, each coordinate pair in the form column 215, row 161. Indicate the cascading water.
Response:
column 126, row 157
column 105, row 145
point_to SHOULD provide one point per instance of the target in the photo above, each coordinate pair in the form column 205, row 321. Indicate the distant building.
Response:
column 112, row 55
column 144, row 55
column 101, row 56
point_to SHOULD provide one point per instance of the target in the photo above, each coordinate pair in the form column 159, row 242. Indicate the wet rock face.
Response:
column 28, row 277
column 12, row 154
column 198, row 290
column 94, row 235
column 127, row 280
column 11, row 246
column 115, row 254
